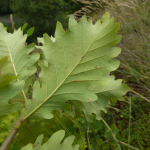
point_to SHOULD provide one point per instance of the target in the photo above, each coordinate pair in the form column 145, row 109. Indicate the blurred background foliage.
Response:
column 43, row 15
column 5, row 7
column 128, row 120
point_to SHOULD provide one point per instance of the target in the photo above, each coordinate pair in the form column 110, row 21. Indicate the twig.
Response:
column 112, row 133
column 12, row 134
column 128, row 145
column 12, row 22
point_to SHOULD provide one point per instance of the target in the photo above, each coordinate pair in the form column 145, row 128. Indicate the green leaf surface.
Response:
column 13, row 45
column 10, row 108
column 30, row 31
column 31, row 129
column 8, row 91
column 6, row 72
column 76, row 60
column 114, row 91
column 24, row 26
column 20, row 66
column 81, row 140
column 54, row 143
column 40, row 40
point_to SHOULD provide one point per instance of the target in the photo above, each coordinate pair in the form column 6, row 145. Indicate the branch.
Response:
column 12, row 22
column 12, row 134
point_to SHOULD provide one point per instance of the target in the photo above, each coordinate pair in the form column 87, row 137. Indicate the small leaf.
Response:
column 30, row 31
column 24, row 26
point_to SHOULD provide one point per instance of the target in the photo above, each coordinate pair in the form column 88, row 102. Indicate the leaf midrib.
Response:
column 10, row 57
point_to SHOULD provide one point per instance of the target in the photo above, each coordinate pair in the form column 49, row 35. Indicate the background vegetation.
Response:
column 129, row 120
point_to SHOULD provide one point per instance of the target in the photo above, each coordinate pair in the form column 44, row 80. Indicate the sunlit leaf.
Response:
column 76, row 60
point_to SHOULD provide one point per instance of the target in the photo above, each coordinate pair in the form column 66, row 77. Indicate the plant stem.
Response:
column 129, row 145
column 62, row 124
column 129, row 123
column 112, row 133
column 12, row 134
column 139, row 144
column 78, row 126
column 88, row 139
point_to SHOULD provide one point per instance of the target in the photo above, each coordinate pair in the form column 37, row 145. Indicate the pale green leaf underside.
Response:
column 13, row 45
column 53, row 143
column 76, row 59
column 10, row 108
column 6, row 77
column 8, row 91
column 114, row 91
column 21, row 63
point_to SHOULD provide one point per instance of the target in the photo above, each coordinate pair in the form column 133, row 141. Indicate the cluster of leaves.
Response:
column 69, row 71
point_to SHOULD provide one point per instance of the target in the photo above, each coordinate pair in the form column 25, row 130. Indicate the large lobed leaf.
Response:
column 75, row 61
column 114, row 91
column 74, row 70
column 13, row 45
column 21, row 65
column 53, row 143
